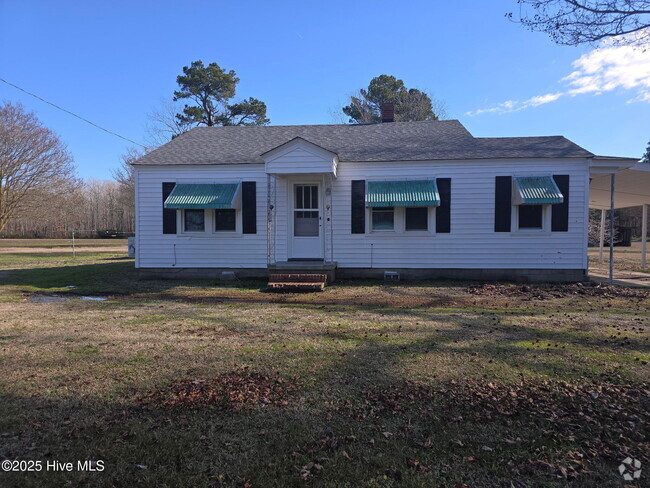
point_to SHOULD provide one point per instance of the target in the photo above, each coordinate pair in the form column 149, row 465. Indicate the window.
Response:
column 306, row 215
column 225, row 220
column 194, row 220
column 417, row 218
column 531, row 216
column 307, row 196
column 383, row 218
column 305, row 224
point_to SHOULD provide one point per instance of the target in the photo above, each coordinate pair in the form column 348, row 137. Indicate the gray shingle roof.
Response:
column 397, row 141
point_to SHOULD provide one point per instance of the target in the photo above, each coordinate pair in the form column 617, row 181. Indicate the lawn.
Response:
column 436, row 384
column 625, row 258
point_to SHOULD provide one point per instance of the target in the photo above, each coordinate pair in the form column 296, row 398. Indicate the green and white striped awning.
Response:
column 420, row 193
column 197, row 196
column 536, row 190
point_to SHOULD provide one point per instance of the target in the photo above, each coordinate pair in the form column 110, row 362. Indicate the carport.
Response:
column 619, row 183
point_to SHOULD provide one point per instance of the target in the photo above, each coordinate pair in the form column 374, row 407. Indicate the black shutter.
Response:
column 359, row 206
column 560, row 211
column 443, row 212
column 502, row 203
column 249, row 207
column 169, row 214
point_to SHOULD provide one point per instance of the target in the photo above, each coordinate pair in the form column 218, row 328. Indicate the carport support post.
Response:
column 611, row 230
column 602, row 235
column 644, row 236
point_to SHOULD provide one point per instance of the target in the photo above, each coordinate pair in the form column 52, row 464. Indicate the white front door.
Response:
column 306, row 228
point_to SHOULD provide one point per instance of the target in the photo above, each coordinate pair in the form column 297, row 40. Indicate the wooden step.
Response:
column 297, row 277
column 297, row 282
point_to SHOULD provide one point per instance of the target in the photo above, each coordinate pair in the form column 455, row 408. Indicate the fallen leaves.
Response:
column 238, row 390
column 604, row 419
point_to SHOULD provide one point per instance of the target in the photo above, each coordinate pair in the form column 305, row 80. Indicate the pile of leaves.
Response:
column 545, row 291
column 593, row 423
column 233, row 391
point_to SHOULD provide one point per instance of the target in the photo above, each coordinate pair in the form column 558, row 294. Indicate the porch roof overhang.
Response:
column 419, row 193
column 632, row 187
column 204, row 196
column 300, row 156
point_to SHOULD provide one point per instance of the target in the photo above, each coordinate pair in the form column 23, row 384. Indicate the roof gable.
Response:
column 300, row 156
column 297, row 144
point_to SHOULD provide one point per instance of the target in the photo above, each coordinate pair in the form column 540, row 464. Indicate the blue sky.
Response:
column 112, row 62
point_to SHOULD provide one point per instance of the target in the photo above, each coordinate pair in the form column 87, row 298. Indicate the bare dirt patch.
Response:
column 543, row 292
column 234, row 391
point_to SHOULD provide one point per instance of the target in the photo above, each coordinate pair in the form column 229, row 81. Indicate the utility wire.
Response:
column 73, row 114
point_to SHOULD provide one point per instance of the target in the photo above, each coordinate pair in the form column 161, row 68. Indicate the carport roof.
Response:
column 632, row 188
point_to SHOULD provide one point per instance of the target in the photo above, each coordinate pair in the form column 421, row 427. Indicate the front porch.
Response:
column 300, row 232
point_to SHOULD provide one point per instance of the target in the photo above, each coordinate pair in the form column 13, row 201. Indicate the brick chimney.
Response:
column 388, row 112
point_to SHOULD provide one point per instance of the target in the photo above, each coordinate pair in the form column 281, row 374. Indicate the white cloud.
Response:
column 516, row 106
column 607, row 68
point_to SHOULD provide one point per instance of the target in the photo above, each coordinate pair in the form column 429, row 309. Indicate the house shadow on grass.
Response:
column 117, row 277
column 356, row 422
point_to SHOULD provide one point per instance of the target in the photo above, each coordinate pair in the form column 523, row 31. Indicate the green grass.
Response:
column 410, row 384
column 55, row 243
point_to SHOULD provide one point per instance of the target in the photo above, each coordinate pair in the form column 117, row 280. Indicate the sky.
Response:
column 114, row 62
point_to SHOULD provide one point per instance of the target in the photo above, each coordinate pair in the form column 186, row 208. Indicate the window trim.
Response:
column 399, row 227
column 194, row 232
column 546, row 221
column 210, row 231
column 214, row 221
column 427, row 220
column 394, row 229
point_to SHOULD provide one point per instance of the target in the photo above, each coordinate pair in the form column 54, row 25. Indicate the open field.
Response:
column 62, row 246
column 224, row 385
column 625, row 258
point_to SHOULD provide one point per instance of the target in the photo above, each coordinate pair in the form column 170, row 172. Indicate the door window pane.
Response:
column 225, row 219
column 417, row 218
column 530, row 216
column 314, row 197
column 383, row 218
column 305, row 224
column 194, row 220
column 299, row 193
column 307, row 196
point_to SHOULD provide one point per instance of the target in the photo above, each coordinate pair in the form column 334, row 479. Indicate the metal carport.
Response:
column 619, row 183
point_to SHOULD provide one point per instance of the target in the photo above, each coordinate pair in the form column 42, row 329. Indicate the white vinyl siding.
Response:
column 208, row 249
column 472, row 242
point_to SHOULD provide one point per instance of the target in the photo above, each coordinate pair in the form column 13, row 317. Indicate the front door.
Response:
column 307, row 234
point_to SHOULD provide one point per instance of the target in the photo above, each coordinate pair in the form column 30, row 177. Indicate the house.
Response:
column 424, row 199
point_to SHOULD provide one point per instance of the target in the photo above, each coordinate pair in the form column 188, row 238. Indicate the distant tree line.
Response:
column 94, row 208
column 40, row 193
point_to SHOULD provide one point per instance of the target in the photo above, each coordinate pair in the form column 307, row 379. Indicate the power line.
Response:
column 73, row 114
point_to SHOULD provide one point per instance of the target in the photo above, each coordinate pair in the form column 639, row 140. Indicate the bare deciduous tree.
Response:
column 125, row 177
column 593, row 228
column 34, row 163
column 163, row 125
column 573, row 22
